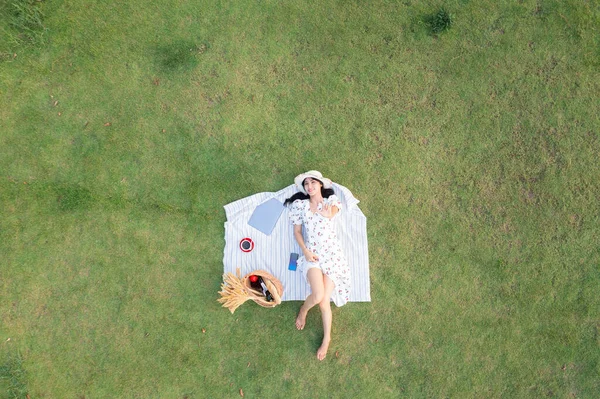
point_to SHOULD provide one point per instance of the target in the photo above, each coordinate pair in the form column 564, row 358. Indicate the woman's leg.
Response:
column 325, row 306
column 315, row 280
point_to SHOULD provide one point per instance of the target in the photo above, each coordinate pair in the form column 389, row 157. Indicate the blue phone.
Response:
column 293, row 261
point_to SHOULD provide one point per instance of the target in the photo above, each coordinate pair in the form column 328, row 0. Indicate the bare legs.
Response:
column 315, row 280
column 321, row 287
column 325, row 306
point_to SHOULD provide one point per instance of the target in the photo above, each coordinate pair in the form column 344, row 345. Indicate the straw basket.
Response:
column 236, row 290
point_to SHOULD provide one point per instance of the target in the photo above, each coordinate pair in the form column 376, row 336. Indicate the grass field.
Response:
column 126, row 126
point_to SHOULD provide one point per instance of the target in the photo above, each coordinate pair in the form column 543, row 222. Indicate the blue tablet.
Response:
column 265, row 216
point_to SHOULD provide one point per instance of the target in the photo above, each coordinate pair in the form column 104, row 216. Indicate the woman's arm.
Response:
column 310, row 257
column 334, row 211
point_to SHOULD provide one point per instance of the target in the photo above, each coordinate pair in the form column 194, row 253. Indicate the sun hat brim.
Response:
column 315, row 174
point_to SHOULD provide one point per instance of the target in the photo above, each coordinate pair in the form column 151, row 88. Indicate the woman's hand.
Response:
column 310, row 256
column 328, row 211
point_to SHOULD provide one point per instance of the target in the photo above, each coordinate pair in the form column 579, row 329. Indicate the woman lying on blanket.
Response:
column 323, row 263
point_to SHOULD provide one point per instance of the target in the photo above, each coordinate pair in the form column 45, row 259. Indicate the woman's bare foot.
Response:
column 322, row 351
column 301, row 319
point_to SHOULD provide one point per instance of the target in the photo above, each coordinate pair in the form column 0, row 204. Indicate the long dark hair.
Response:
column 325, row 193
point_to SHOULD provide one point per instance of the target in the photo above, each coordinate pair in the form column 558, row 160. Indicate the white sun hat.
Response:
column 315, row 174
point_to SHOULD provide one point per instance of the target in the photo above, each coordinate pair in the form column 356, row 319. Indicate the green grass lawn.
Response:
column 126, row 126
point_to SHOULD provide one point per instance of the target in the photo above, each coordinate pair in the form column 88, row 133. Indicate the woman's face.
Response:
column 312, row 186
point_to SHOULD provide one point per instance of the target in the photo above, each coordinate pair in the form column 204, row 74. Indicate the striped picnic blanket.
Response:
column 272, row 252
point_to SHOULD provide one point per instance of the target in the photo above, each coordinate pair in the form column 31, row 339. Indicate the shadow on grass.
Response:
column 179, row 56
column 12, row 376
column 23, row 25
column 75, row 197
column 72, row 197
column 438, row 22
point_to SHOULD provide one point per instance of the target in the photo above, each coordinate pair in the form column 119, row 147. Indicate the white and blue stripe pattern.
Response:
column 272, row 253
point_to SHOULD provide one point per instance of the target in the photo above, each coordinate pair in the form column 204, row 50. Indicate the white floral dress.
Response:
column 320, row 238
